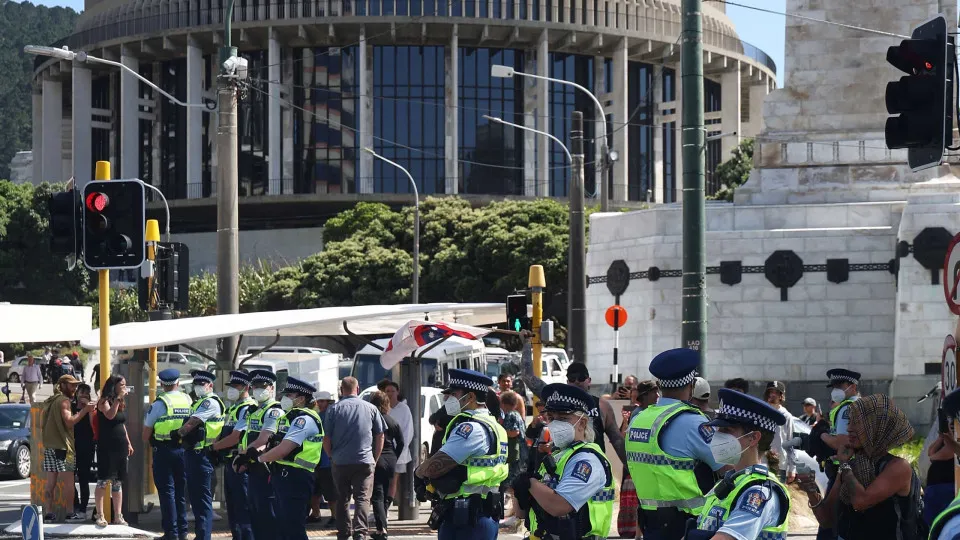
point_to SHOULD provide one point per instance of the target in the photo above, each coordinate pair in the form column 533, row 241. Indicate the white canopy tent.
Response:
column 29, row 323
column 363, row 320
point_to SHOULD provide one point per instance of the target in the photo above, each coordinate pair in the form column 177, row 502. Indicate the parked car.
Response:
column 184, row 362
column 15, row 440
column 15, row 373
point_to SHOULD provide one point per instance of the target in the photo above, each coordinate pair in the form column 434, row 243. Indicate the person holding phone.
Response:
column 113, row 448
column 59, row 451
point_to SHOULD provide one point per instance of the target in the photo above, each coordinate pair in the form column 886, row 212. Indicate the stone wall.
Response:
column 279, row 247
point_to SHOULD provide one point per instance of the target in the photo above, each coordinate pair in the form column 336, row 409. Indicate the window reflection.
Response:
column 712, row 103
column 563, row 100
column 252, row 128
column 173, row 133
column 640, row 131
column 669, row 139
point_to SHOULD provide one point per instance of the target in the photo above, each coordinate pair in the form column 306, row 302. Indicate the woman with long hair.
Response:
column 113, row 447
column 386, row 465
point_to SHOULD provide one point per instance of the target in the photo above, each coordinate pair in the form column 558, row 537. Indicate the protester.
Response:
column 810, row 415
column 516, row 454
column 113, row 447
column 323, row 486
column 626, row 389
column 59, row 449
column 439, row 421
column 701, row 395
column 399, row 411
column 738, row 384
column 939, row 491
column 77, row 365
column 630, row 516
column 386, row 465
column 876, row 495
column 32, row 378
column 85, row 447
column 774, row 395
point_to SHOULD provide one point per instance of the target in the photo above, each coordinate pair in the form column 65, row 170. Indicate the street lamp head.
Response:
column 613, row 156
column 502, row 72
column 53, row 52
column 493, row 119
column 369, row 150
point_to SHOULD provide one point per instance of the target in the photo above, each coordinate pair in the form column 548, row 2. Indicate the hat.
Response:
column 69, row 379
column 675, row 368
column 701, row 388
column 298, row 386
column 810, row 401
column 239, row 377
column 578, row 371
column 262, row 376
column 387, row 382
column 203, row 377
column 560, row 397
column 645, row 387
column 322, row 395
column 951, row 404
column 779, row 386
column 169, row 376
column 468, row 379
column 738, row 409
column 839, row 375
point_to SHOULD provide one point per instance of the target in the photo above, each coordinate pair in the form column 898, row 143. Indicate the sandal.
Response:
column 118, row 520
column 100, row 521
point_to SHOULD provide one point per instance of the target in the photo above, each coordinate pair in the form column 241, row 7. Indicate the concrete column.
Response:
column 37, row 128
column 543, row 116
column 82, row 128
column 758, row 94
column 365, row 180
column 730, row 111
column 657, row 136
column 157, row 132
column 129, row 118
column 451, row 126
column 530, row 158
column 194, row 121
column 274, row 157
column 287, row 167
column 52, row 147
column 590, row 118
column 678, row 134
column 621, row 113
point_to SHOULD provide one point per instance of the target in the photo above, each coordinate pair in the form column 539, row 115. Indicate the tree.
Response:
column 357, row 271
column 735, row 171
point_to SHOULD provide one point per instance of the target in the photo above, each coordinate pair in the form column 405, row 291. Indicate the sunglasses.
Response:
column 580, row 378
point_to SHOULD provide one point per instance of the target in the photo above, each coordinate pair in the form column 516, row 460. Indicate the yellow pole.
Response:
column 152, row 237
column 103, row 173
column 537, row 282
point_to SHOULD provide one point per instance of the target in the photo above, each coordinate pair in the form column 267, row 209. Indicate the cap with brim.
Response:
column 738, row 409
column 241, row 378
column 298, row 386
column 262, row 376
column 322, row 396
column 68, row 379
column 203, row 377
column 169, row 376
column 810, row 401
column 645, row 387
column 701, row 388
column 840, row 375
column 675, row 368
column 468, row 379
column 566, row 398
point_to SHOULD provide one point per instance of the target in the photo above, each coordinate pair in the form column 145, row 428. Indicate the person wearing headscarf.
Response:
column 876, row 495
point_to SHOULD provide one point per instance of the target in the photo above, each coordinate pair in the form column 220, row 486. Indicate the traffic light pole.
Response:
column 576, row 275
column 693, row 295
column 537, row 282
column 103, row 319
column 152, row 238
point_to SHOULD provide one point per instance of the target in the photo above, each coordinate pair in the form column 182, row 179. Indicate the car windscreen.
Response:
column 13, row 417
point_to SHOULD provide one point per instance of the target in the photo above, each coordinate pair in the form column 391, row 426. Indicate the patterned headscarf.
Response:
column 878, row 425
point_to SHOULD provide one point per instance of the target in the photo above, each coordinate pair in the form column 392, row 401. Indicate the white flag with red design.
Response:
column 416, row 334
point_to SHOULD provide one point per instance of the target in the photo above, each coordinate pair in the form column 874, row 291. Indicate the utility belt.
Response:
column 671, row 521
column 466, row 511
column 693, row 533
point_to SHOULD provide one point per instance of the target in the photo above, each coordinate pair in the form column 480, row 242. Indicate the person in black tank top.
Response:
column 85, row 447
column 113, row 447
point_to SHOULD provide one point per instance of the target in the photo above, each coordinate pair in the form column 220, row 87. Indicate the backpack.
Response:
column 95, row 423
column 920, row 529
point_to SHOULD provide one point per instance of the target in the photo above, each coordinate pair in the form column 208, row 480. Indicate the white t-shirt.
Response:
column 401, row 413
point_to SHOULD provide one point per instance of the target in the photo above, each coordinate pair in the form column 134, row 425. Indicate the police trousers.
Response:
column 238, row 509
column 170, row 477
column 200, row 490
column 262, row 502
column 664, row 524
column 294, row 487
column 486, row 528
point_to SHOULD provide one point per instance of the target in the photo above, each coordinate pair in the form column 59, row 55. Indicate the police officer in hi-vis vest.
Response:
column 237, row 484
column 198, row 434
column 474, row 456
column 165, row 416
column 668, row 449
column 257, row 427
column 946, row 526
column 570, row 495
column 749, row 503
column 845, row 390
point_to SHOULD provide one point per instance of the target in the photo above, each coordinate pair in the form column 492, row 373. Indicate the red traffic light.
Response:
column 97, row 202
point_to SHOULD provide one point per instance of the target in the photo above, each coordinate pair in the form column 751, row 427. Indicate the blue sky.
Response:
column 763, row 30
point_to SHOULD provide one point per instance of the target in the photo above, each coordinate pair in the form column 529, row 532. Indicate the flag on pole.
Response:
column 416, row 334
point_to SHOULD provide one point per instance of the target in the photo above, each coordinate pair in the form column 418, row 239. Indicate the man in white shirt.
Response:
column 399, row 411
column 32, row 378
column 774, row 395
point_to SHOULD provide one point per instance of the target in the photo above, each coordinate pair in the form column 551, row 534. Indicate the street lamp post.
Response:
column 576, row 276
column 609, row 155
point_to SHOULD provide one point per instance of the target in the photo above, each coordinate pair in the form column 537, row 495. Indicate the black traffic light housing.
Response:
column 113, row 224
column 517, row 313
column 923, row 99
column 65, row 223
column 170, row 282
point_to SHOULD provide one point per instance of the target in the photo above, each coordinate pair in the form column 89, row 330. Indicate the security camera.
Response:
column 230, row 64
column 210, row 104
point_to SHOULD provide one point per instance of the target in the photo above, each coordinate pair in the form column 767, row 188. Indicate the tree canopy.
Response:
column 735, row 171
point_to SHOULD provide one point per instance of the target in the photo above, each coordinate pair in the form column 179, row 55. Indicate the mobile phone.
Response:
column 129, row 389
column 944, row 425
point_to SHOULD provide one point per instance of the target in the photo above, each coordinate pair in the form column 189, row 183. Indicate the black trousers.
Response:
column 84, row 476
column 382, row 475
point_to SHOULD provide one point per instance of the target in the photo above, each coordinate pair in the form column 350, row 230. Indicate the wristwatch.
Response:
column 844, row 467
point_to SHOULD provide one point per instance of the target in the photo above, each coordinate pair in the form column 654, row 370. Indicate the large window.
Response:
column 325, row 125
column 640, row 134
column 565, row 99
column 252, row 128
column 100, row 136
column 408, row 92
column 712, row 103
column 669, row 139
column 173, row 132
column 145, row 130
column 482, row 141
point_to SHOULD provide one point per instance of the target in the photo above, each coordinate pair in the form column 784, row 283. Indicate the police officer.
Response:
column 238, row 511
column 471, row 464
column 198, row 434
column 946, row 526
column 570, row 495
column 296, row 456
column 845, row 390
column 165, row 416
column 257, row 427
column 668, row 449
column 749, row 503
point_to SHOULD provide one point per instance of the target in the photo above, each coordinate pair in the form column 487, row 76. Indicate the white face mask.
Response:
column 837, row 395
column 233, row 394
column 262, row 394
column 562, row 432
column 726, row 448
column 452, row 405
column 201, row 391
column 286, row 403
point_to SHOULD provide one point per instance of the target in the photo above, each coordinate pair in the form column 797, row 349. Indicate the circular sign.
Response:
column 951, row 275
column 948, row 367
column 30, row 524
column 616, row 316
column 618, row 277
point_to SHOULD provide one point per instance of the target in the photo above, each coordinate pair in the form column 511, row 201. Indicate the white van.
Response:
column 319, row 370
column 455, row 352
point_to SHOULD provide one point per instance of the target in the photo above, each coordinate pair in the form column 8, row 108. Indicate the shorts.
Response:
column 324, row 485
column 112, row 463
column 56, row 461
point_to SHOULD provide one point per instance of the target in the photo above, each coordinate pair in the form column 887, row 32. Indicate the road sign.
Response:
column 951, row 275
column 616, row 316
column 948, row 367
column 618, row 277
column 31, row 523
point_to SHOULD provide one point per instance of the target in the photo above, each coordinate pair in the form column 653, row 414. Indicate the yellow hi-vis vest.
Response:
column 834, row 412
column 661, row 480
column 599, row 508
column 484, row 473
column 255, row 423
column 952, row 511
column 233, row 416
column 211, row 427
column 716, row 511
column 178, row 410
column 308, row 456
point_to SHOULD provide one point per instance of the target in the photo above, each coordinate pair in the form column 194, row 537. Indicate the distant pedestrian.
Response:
column 77, row 365
column 516, row 452
column 701, row 395
column 399, row 411
column 775, row 395
column 810, row 415
column 386, row 464
column 738, row 384
column 86, row 447
column 32, row 377
column 59, row 449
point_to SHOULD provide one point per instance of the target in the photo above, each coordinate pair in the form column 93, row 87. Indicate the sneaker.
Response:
column 50, row 518
column 76, row 517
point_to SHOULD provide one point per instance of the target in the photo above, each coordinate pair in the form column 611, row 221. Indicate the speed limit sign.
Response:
column 951, row 276
column 948, row 369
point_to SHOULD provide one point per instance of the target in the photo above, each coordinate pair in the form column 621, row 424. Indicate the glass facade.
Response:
column 712, row 103
column 100, row 137
column 482, row 141
column 173, row 130
column 670, row 154
column 563, row 100
column 252, row 128
column 408, row 111
column 640, row 134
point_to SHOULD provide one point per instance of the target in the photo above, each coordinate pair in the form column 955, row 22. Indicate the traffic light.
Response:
column 113, row 224
column 64, row 223
column 517, row 313
column 923, row 99
column 171, row 280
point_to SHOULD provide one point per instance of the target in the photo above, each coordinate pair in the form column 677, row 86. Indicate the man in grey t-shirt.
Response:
column 353, row 440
